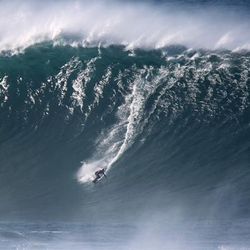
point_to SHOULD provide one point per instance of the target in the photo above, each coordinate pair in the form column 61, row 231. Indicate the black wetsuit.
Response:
column 99, row 174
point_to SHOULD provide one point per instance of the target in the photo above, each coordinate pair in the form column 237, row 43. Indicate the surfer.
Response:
column 99, row 174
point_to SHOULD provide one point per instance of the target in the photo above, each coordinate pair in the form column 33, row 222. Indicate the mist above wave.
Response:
column 134, row 25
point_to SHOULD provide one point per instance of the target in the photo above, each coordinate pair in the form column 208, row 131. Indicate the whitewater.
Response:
column 93, row 23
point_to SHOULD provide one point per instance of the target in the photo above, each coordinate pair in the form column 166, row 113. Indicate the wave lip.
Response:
column 88, row 24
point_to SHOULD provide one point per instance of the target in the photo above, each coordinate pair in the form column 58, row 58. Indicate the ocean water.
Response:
column 123, row 236
column 157, row 92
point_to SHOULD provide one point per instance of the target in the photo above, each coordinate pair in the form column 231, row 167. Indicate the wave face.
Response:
column 171, row 126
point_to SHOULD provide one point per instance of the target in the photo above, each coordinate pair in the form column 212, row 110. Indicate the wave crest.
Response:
column 132, row 25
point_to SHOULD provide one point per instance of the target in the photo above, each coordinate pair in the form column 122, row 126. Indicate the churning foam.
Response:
column 86, row 23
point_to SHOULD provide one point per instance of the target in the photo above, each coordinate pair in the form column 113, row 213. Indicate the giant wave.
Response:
column 168, row 112
column 165, row 109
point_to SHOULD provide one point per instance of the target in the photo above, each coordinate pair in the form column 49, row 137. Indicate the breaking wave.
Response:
column 115, row 100
column 93, row 23
column 164, row 107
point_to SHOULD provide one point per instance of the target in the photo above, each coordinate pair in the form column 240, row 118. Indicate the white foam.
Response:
column 4, row 88
column 87, row 23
